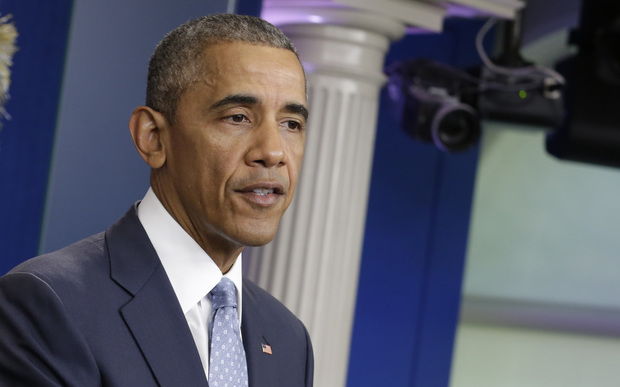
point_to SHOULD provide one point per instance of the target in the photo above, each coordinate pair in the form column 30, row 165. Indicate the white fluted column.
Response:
column 313, row 263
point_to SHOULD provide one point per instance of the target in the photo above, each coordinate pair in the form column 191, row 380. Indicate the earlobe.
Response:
column 147, row 126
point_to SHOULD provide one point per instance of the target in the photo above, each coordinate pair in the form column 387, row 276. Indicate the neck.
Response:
column 221, row 249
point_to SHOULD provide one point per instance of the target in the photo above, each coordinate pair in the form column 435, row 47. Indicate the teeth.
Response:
column 263, row 191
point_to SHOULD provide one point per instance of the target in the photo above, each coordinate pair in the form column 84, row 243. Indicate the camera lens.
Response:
column 455, row 127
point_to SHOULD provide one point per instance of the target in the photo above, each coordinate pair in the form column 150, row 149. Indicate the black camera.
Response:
column 533, row 98
column 591, row 132
column 432, row 100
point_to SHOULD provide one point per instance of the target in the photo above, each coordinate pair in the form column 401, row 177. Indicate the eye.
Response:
column 238, row 118
column 293, row 125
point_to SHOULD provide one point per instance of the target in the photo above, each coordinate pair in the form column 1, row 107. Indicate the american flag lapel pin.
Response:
column 266, row 349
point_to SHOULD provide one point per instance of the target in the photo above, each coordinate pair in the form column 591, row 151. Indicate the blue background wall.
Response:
column 96, row 173
column 415, row 241
column 26, row 140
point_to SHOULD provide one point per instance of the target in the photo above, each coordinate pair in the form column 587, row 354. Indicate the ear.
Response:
column 147, row 128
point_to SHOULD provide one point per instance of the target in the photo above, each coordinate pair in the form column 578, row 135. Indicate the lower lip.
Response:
column 261, row 200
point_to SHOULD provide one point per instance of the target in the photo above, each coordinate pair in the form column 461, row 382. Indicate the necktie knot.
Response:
column 224, row 294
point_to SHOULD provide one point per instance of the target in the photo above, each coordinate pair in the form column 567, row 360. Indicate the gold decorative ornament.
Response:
column 8, row 36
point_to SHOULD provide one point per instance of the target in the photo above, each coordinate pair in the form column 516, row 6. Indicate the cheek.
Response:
column 295, row 168
column 219, row 165
column 214, row 171
column 298, row 154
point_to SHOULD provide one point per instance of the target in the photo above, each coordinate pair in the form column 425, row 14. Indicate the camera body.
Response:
column 533, row 98
column 433, row 101
column 433, row 114
column 444, row 105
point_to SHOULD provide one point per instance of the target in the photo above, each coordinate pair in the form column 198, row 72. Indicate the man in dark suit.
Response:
column 223, row 132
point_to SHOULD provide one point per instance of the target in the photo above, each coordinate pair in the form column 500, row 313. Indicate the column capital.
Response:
column 386, row 17
column 326, row 12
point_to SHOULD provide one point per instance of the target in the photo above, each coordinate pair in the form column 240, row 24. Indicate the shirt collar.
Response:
column 191, row 271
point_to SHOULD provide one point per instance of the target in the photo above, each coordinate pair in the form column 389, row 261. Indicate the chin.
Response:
column 257, row 241
column 257, row 233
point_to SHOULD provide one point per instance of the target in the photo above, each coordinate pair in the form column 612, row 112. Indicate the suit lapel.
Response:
column 154, row 315
column 262, row 370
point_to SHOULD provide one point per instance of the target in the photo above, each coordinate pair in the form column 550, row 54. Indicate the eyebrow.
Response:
column 235, row 99
column 243, row 99
column 297, row 108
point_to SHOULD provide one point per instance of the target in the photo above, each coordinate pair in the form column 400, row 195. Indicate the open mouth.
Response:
column 263, row 191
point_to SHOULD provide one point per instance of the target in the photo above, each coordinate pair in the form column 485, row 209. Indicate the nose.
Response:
column 267, row 147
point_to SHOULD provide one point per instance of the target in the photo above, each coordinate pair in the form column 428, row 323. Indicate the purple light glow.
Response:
column 316, row 19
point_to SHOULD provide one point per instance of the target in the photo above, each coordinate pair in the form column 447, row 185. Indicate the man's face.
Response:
column 234, row 153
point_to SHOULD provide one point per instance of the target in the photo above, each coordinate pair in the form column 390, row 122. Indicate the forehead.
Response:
column 236, row 66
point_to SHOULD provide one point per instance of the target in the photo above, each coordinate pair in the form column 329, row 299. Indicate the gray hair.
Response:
column 177, row 60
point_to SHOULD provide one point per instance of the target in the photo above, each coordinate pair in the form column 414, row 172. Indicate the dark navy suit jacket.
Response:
column 102, row 312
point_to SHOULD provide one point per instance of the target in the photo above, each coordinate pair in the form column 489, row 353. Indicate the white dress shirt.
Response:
column 191, row 271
